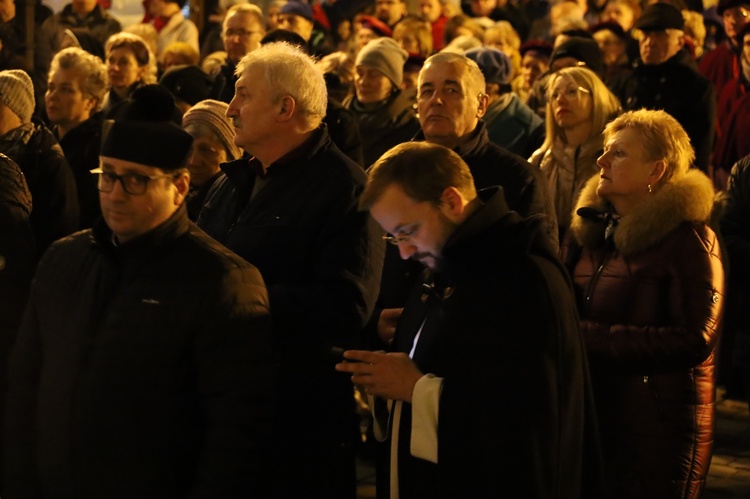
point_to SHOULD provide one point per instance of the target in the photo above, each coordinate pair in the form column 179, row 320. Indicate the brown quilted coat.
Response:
column 650, row 298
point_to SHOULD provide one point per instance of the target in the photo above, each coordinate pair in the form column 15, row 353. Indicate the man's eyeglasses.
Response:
column 242, row 33
column 132, row 183
column 403, row 236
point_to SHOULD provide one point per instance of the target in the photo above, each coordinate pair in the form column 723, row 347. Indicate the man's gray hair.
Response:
column 476, row 83
column 289, row 71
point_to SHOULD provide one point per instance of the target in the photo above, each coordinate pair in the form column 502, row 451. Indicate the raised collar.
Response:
column 154, row 241
column 238, row 171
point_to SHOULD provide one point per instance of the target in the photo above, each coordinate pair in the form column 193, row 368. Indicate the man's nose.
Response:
column 406, row 250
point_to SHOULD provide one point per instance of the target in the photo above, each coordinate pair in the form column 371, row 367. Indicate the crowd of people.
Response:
column 503, row 243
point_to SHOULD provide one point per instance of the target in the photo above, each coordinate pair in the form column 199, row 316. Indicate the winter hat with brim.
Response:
column 385, row 55
column 17, row 92
column 660, row 16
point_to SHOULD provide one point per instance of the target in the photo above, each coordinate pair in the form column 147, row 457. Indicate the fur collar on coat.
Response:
column 689, row 198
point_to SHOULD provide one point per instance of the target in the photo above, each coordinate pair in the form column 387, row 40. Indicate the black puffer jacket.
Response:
column 651, row 298
column 16, row 252
column 55, row 211
column 143, row 370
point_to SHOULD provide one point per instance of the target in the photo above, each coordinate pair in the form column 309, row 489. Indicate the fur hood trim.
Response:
column 687, row 199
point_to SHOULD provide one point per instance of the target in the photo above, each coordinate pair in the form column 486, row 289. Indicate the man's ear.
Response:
column 452, row 202
column 182, row 183
column 484, row 102
column 287, row 107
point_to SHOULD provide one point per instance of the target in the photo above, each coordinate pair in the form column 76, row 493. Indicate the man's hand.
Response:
column 386, row 375
column 387, row 324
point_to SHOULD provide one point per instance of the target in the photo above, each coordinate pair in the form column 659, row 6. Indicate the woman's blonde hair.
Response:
column 420, row 29
column 605, row 106
column 662, row 137
column 504, row 30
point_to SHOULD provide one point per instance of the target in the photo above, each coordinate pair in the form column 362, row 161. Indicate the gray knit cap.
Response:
column 17, row 92
column 385, row 55
column 213, row 115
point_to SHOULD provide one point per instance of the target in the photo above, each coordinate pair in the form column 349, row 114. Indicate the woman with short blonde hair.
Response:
column 650, row 283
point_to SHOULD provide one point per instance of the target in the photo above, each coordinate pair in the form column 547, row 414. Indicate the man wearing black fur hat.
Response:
column 143, row 365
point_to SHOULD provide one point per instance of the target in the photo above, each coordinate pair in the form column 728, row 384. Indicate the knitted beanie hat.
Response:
column 17, row 92
column 213, row 115
column 385, row 55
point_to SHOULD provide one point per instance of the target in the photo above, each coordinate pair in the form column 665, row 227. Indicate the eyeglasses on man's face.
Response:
column 403, row 236
column 132, row 183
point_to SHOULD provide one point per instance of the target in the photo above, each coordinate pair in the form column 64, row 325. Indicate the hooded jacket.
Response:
column 650, row 291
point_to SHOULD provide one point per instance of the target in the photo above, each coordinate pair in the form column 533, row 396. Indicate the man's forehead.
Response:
column 440, row 72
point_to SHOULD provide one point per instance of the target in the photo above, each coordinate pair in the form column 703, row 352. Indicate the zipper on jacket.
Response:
column 592, row 283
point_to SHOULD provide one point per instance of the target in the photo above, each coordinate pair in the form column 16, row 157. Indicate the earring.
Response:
column 649, row 189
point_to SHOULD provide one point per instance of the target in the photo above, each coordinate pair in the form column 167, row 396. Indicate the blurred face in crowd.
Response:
column 252, row 111
column 746, row 47
column 83, row 6
column 625, row 173
column 421, row 229
column 242, row 34
column 611, row 46
column 65, row 102
column 371, row 85
column 298, row 24
column 272, row 17
column 390, row 11
column 571, row 104
column 364, row 35
column 532, row 67
column 431, row 9
column 659, row 46
column 499, row 42
column 482, row 8
column 132, row 215
column 620, row 13
column 123, row 69
column 449, row 103
column 735, row 19
column 408, row 41
column 205, row 156
column 7, row 10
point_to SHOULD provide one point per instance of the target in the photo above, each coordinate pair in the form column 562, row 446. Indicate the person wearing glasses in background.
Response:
column 579, row 105
column 242, row 33
column 143, row 365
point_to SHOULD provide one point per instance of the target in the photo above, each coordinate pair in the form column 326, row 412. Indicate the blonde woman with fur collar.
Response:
column 651, row 287
column 579, row 105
